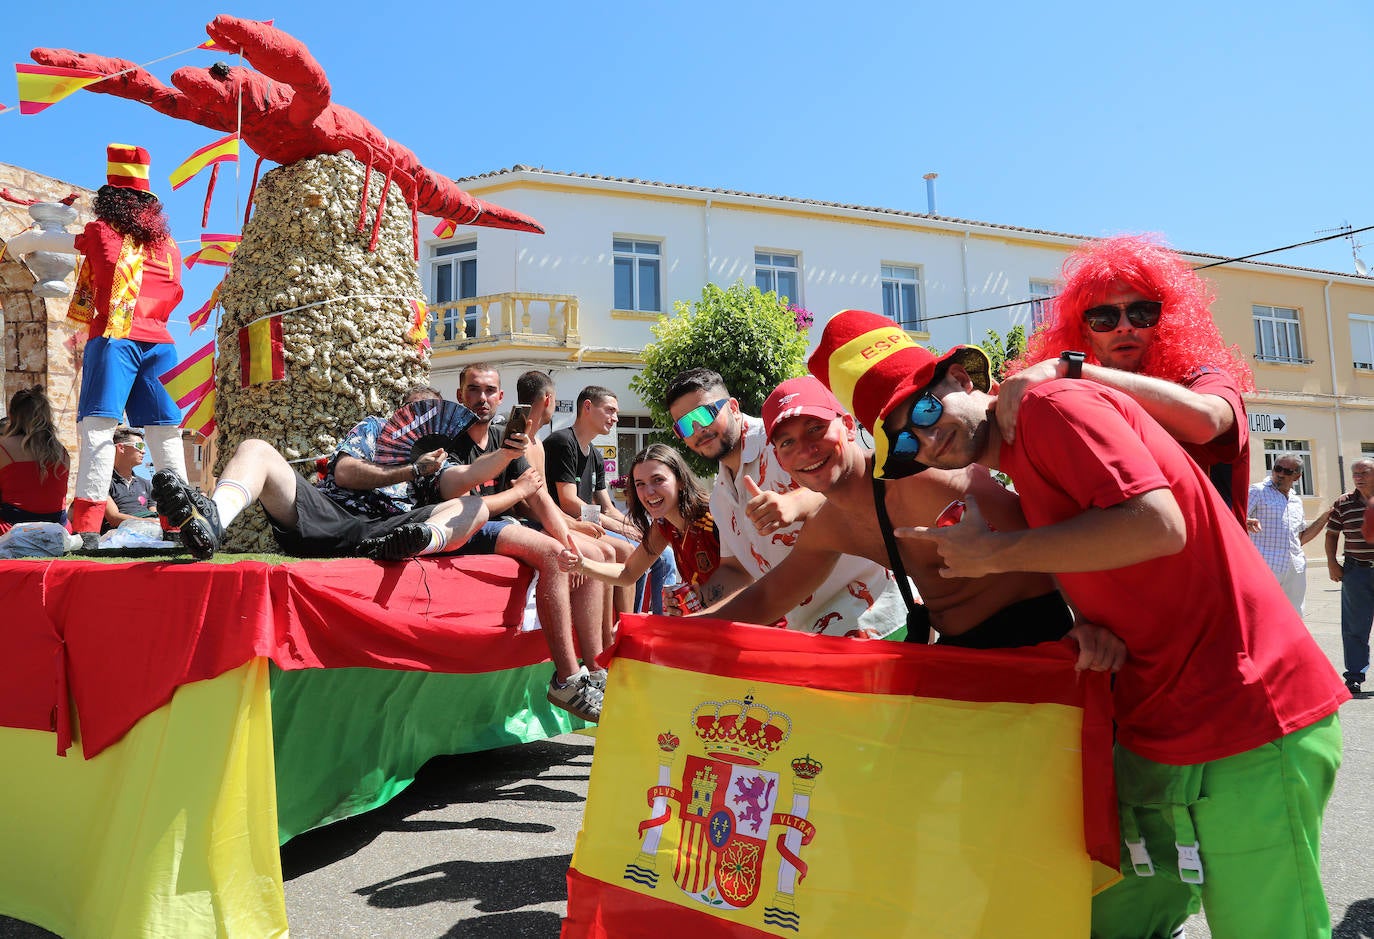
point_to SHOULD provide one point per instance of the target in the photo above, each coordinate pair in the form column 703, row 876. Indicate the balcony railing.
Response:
column 544, row 319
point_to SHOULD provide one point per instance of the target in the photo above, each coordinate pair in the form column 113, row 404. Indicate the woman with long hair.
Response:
column 33, row 463
column 671, row 507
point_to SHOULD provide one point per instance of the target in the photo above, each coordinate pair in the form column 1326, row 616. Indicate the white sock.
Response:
column 438, row 537
column 231, row 498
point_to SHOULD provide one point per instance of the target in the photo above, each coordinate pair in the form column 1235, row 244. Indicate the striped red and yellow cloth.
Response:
column 216, row 250
column 262, row 356
column 192, row 377
column 42, row 86
column 224, row 150
column 755, row 782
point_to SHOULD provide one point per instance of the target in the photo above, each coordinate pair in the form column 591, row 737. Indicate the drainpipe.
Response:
column 1335, row 394
column 963, row 261
column 706, row 239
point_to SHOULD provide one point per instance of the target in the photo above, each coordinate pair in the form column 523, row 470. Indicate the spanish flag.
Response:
column 215, row 249
column 193, row 377
column 754, row 782
column 262, row 357
column 224, row 150
column 419, row 331
column 446, row 228
column 201, row 417
column 41, row 86
column 202, row 316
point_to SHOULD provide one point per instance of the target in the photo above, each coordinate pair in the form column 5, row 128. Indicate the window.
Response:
column 1278, row 334
column 1042, row 304
column 902, row 296
column 1302, row 449
column 779, row 273
column 454, row 277
column 1362, row 341
column 637, row 275
column 633, row 433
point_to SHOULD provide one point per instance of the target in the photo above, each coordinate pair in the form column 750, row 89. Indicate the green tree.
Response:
column 1002, row 350
column 750, row 337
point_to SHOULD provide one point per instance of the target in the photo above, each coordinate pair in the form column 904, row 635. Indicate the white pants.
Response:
column 1294, row 584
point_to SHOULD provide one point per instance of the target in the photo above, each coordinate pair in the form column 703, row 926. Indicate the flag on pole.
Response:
column 755, row 782
column 215, row 249
column 202, row 316
column 201, row 417
column 224, row 150
column 193, row 377
column 446, row 228
column 41, row 86
column 210, row 43
column 262, row 357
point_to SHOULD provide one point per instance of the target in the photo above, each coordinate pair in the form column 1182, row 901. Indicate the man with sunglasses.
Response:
column 1279, row 529
column 1228, row 739
column 130, row 494
column 1132, row 315
column 759, row 510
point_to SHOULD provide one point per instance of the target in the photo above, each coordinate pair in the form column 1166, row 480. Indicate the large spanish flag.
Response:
column 755, row 782
column 41, row 86
column 192, row 377
column 262, row 357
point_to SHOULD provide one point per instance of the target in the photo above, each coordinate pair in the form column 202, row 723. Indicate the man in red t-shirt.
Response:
column 1132, row 315
column 1228, row 740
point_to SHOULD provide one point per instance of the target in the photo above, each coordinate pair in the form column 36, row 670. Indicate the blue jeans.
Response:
column 662, row 573
column 1357, row 615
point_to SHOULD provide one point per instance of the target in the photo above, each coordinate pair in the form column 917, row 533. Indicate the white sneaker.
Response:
column 597, row 676
column 578, row 696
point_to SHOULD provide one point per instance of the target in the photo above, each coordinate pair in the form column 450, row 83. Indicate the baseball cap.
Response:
column 797, row 396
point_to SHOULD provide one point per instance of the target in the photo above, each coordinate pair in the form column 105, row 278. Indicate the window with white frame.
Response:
column 1362, row 341
column 453, row 276
column 780, row 273
column 1278, row 334
column 902, row 295
column 1042, row 302
column 1274, row 447
column 1367, row 449
column 637, row 275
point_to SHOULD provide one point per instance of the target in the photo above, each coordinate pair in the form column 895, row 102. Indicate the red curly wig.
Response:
column 1186, row 338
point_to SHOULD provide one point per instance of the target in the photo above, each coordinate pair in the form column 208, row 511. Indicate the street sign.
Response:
column 1264, row 423
column 563, row 406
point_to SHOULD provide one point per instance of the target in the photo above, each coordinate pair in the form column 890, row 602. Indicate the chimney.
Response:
column 930, row 191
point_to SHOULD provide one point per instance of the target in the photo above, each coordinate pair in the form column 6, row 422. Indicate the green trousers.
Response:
column 1239, row 837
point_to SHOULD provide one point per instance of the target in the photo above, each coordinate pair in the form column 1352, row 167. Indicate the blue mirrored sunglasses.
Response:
column 703, row 416
column 926, row 411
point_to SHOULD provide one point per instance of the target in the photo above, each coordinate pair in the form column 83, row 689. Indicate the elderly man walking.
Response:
column 1278, row 527
column 1355, row 574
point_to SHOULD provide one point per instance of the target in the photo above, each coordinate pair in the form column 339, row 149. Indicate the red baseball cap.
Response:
column 797, row 396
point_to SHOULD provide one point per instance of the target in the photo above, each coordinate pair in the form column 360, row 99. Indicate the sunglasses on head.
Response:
column 926, row 411
column 697, row 418
column 1142, row 314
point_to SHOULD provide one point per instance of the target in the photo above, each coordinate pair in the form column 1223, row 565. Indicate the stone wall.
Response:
column 38, row 345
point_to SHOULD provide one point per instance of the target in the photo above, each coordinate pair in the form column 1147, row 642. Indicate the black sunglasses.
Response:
column 1142, row 314
column 1285, row 471
column 926, row 411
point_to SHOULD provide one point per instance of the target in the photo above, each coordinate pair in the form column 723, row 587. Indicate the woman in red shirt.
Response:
column 33, row 463
column 671, row 508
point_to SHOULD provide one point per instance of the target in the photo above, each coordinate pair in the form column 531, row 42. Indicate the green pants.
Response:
column 1239, row 837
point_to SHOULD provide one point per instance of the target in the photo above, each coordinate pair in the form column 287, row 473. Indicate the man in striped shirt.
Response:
column 1356, row 574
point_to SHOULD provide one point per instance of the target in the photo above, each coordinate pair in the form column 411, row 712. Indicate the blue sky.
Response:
column 1228, row 128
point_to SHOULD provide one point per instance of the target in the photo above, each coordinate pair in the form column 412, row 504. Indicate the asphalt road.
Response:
column 480, row 844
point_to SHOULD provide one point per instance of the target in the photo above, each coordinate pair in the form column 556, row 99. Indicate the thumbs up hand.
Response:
column 769, row 511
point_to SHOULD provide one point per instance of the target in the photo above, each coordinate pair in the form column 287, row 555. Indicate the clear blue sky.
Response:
column 1228, row 128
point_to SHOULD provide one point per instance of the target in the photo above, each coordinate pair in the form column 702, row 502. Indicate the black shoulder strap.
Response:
column 894, row 557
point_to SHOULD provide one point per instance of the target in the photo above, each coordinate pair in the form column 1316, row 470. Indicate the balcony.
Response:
column 522, row 319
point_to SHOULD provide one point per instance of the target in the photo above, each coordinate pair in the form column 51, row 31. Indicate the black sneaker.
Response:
column 190, row 511
column 1353, row 687
column 403, row 541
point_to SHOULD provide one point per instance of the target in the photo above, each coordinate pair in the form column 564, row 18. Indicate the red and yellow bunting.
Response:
column 193, row 377
column 42, row 86
column 262, row 356
column 224, row 150
column 216, row 250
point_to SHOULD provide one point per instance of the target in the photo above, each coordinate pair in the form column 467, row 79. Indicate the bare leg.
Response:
column 600, row 549
column 264, row 474
column 552, row 599
column 459, row 518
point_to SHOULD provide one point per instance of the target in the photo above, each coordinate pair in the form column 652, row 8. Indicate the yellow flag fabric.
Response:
column 756, row 782
column 201, row 417
column 192, row 377
column 169, row 832
column 41, row 86
column 262, row 355
column 224, row 150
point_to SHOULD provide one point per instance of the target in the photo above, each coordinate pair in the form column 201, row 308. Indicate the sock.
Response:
column 231, row 498
column 438, row 537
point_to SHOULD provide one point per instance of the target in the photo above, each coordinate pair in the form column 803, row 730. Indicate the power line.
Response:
column 1202, row 267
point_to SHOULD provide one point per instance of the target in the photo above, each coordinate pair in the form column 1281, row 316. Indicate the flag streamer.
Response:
column 224, row 150
column 42, row 86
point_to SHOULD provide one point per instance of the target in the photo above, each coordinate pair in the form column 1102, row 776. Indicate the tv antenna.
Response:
column 1360, row 267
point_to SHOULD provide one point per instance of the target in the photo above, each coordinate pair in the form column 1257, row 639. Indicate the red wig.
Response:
column 1186, row 338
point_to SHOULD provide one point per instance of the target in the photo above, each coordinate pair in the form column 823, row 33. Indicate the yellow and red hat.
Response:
column 127, row 167
column 872, row 365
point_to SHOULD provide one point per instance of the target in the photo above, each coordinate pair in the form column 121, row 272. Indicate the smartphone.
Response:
column 519, row 420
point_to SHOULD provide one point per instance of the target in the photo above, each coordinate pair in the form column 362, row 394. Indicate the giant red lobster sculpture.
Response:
column 285, row 115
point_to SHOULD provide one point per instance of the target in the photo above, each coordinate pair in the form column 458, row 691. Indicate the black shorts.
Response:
column 1045, row 618
column 325, row 529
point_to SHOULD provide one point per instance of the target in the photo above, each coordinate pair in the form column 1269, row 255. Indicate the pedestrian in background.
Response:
column 1355, row 574
column 1278, row 527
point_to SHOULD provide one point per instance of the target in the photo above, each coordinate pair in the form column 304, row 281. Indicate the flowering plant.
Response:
column 620, row 482
column 803, row 318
